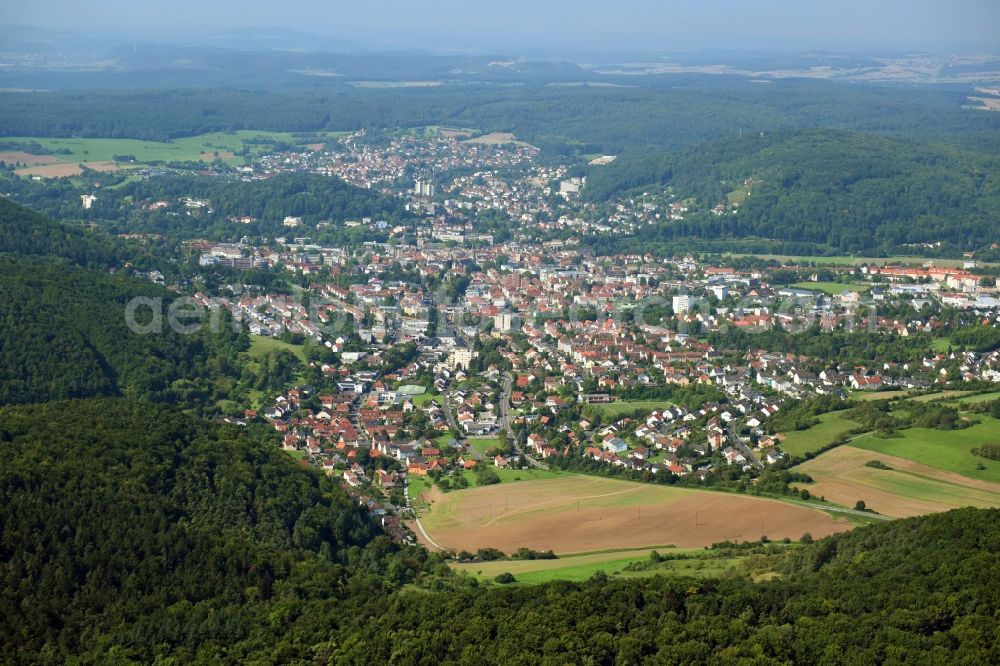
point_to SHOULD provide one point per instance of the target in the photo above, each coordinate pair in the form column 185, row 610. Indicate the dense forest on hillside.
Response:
column 312, row 197
column 25, row 233
column 64, row 292
column 133, row 533
column 64, row 334
column 560, row 120
column 847, row 347
column 843, row 190
column 128, row 526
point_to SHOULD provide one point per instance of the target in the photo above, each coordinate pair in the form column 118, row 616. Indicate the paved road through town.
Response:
column 508, row 383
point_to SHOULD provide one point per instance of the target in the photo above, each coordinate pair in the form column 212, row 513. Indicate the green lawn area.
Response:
column 442, row 441
column 854, row 518
column 943, row 449
column 227, row 406
column 191, row 148
column 906, row 484
column 878, row 395
column 615, row 410
column 940, row 395
column 893, row 395
column 578, row 571
column 256, row 398
column 831, row 425
column 583, row 566
column 738, row 196
column 417, row 485
column 125, row 181
column 573, row 567
column 298, row 455
column 424, row 398
column 702, row 567
column 420, row 483
column 262, row 344
column 531, row 474
column 832, row 288
column 483, row 444
column 940, row 345
column 982, row 397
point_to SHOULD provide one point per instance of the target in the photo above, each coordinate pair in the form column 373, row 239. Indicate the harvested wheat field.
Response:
column 55, row 170
column 582, row 513
column 64, row 169
column 27, row 159
column 907, row 489
column 102, row 166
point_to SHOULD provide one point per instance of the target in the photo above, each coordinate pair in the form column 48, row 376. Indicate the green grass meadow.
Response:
column 831, row 426
column 484, row 444
column 184, row 149
column 832, row 288
column 700, row 564
column 944, row 449
column 616, row 410
column 262, row 344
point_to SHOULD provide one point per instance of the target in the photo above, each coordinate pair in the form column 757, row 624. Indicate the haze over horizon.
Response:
column 552, row 26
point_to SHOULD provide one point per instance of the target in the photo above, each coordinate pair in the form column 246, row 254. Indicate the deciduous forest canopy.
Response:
column 187, row 540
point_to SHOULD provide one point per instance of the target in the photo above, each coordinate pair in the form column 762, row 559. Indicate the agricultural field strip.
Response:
column 541, row 506
column 908, row 488
column 651, row 514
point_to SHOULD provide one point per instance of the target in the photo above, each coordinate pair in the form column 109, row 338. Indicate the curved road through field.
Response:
column 423, row 532
column 416, row 519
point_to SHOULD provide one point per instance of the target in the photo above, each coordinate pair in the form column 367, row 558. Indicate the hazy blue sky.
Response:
column 592, row 24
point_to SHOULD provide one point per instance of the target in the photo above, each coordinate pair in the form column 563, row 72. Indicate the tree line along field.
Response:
column 575, row 513
column 102, row 151
column 850, row 260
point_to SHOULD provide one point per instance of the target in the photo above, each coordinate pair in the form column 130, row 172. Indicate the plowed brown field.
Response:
column 585, row 513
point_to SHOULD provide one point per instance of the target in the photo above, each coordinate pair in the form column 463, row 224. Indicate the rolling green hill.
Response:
column 25, row 233
column 128, row 525
column 64, row 332
column 837, row 190
column 64, row 335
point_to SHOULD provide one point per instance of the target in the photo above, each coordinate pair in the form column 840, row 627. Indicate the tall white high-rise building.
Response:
column 424, row 188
